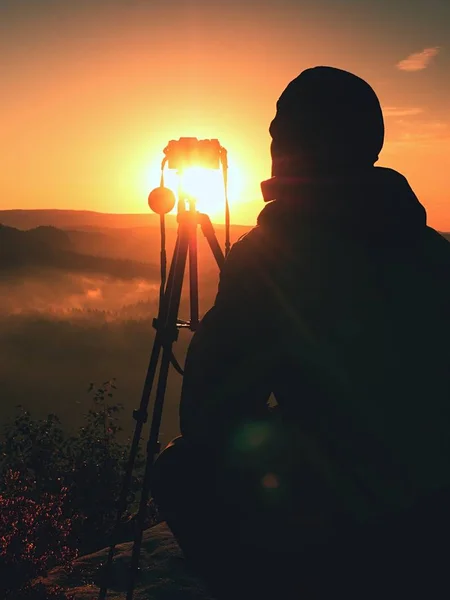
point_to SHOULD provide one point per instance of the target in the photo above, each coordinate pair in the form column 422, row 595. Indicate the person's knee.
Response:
column 164, row 470
column 177, row 473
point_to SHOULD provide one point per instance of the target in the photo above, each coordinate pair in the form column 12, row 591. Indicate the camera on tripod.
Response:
column 190, row 151
column 180, row 155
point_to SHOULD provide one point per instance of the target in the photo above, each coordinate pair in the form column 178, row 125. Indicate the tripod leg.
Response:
column 141, row 416
column 162, row 314
column 209, row 233
column 169, row 333
column 193, row 278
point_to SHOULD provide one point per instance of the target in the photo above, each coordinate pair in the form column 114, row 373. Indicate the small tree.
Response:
column 59, row 491
column 97, row 469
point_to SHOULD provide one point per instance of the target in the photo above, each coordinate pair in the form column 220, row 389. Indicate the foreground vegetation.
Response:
column 58, row 492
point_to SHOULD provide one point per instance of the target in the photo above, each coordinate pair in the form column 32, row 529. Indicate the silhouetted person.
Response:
column 338, row 303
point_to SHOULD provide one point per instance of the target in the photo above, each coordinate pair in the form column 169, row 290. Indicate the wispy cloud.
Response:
column 394, row 111
column 420, row 134
column 418, row 60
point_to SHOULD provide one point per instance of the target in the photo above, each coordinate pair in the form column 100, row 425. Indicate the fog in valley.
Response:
column 76, row 307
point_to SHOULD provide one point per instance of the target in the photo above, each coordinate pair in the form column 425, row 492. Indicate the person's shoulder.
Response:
column 246, row 245
column 436, row 253
column 438, row 238
column 249, row 237
column 245, row 257
column 436, row 242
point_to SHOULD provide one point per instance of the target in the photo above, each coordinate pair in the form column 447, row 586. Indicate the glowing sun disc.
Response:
column 206, row 186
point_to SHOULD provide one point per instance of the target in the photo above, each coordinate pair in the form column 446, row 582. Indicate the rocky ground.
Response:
column 164, row 574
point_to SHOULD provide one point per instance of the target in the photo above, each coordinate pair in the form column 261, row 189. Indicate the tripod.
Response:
column 167, row 326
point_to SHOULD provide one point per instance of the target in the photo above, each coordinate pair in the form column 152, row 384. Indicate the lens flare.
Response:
column 270, row 481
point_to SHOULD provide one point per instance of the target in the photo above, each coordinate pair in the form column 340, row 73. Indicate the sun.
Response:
column 206, row 186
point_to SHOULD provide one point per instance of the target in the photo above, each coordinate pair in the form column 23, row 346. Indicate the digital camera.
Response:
column 190, row 151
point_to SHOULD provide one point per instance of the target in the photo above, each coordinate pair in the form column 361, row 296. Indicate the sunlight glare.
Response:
column 206, row 186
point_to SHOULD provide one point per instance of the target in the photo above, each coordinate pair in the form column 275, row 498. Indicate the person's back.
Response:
column 337, row 302
column 358, row 294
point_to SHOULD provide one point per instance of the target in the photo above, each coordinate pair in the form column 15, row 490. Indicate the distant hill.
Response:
column 86, row 220
column 51, row 248
column 133, row 237
column 77, row 219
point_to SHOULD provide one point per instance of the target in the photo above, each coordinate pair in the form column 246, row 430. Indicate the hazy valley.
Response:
column 78, row 292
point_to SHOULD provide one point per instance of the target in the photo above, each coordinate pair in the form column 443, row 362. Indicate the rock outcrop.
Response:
column 163, row 574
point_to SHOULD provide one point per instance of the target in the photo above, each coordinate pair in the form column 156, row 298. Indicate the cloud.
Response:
column 394, row 111
column 419, row 134
column 418, row 60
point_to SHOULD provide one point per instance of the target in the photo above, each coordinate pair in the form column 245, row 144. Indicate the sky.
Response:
column 92, row 91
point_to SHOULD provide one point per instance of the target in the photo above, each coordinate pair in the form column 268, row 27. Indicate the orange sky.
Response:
column 92, row 91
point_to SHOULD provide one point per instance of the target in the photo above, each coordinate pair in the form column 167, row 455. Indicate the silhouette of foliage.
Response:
column 58, row 491
column 34, row 536
column 38, row 591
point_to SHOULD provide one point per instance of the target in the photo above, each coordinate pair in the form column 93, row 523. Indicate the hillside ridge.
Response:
column 47, row 247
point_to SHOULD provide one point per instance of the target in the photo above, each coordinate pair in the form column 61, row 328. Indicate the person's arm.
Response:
column 228, row 367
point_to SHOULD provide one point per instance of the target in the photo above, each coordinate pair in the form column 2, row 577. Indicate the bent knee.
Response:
column 178, row 469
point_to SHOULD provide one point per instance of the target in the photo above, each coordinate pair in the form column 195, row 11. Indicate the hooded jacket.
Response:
column 337, row 303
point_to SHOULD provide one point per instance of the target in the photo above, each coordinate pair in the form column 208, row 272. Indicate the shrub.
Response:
column 58, row 491
column 34, row 535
